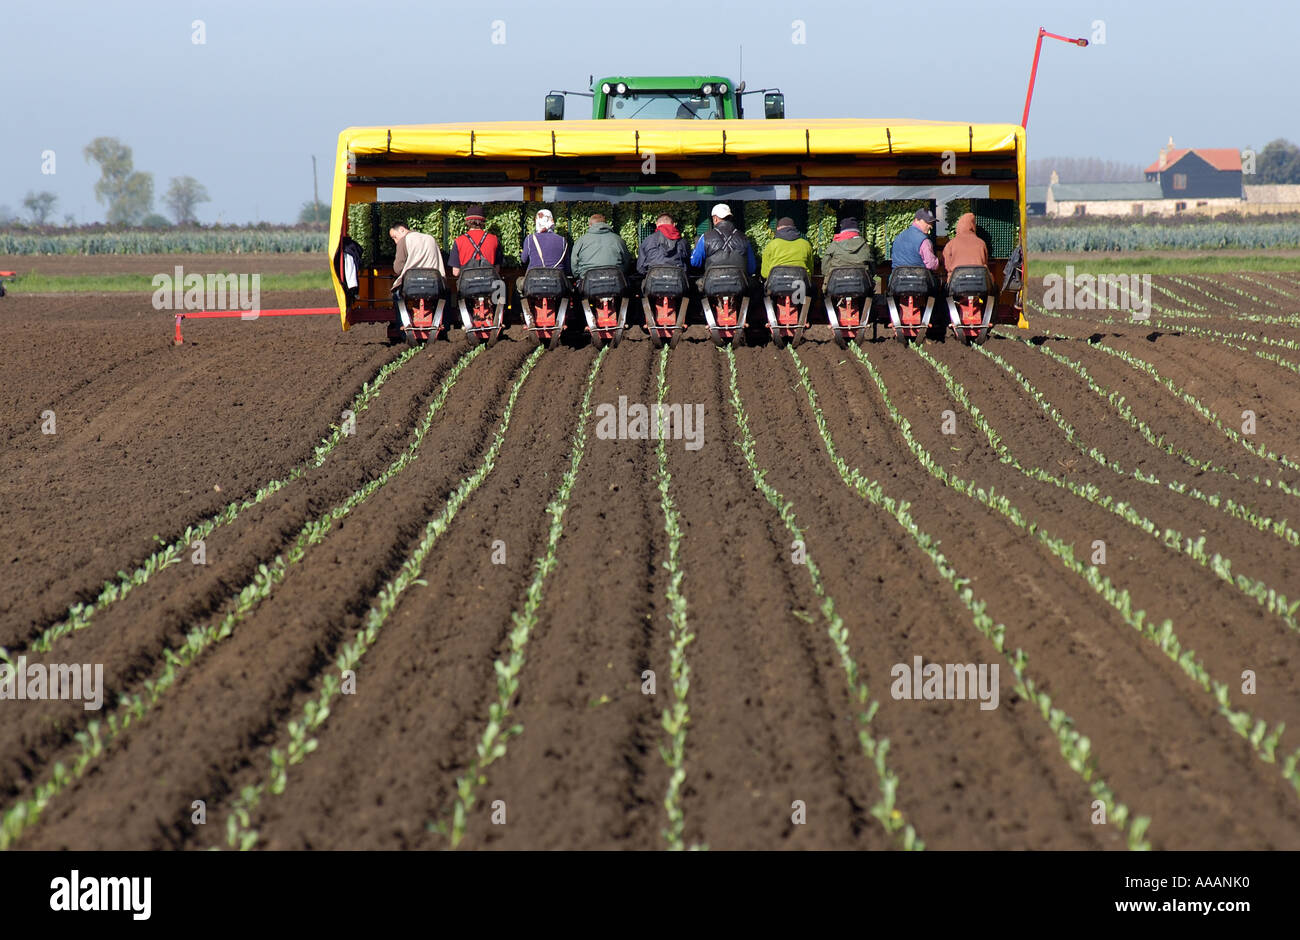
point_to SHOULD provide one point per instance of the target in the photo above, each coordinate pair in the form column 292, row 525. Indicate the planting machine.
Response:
column 692, row 131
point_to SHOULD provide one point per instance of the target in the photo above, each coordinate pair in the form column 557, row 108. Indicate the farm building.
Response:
column 1106, row 199
column 1199, row 181
column 1185, row 174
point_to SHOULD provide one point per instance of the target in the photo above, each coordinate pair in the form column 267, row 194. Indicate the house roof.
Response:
column 1100, row 192
column 1221, row 158
column 1035, row 194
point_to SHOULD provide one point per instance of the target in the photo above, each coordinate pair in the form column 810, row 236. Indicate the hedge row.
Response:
column 1147, row 237
column 162, row 243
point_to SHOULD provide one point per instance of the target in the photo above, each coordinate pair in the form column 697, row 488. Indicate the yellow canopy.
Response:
column 524, row 140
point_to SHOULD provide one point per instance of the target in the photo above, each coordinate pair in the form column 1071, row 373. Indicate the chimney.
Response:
column 1055, row 179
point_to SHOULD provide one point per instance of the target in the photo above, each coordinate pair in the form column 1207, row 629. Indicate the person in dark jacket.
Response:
column 724, row 244
column 664, row 246
column 849, row 249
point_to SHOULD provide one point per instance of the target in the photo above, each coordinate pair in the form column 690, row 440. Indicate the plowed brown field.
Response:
column 1064, row 478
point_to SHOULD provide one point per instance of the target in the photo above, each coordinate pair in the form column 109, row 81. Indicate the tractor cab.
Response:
column 670, row 97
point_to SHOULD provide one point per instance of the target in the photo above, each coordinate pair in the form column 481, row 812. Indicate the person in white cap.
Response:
column 724, row 244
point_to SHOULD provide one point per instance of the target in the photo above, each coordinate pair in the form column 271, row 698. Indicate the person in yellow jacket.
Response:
column 788, row 247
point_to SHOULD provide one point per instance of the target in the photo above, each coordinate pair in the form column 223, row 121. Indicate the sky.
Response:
column 275, row 81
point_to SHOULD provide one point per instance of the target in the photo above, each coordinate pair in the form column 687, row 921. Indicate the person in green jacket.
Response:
column 599, row 247
column 787, row 248
column 849, row 249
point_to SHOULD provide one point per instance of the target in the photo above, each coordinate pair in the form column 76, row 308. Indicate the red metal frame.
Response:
column 1033, row 71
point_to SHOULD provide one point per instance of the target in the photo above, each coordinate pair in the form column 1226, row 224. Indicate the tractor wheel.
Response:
column 719, row 340
column 738, row 338
column 656, row 340
column 674, row 336
column 597, row 341
column 616, row 339
column 841, row 339
column 981, row 337
column 779, row 339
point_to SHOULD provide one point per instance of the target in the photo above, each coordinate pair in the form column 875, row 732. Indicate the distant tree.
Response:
column 183, row 195
column 69, row 220
column 40, row 205
column 1278, row 162
column 310, row 212
column 154, row 220
column 129, row 193
column 6, row 214
column 1082, row 170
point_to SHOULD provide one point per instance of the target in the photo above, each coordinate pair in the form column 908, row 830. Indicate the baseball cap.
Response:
column 848, row 225
column 474, row 212
column 721, row 210
column 924, row 215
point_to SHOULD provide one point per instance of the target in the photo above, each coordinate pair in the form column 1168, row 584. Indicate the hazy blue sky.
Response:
column 276, row 81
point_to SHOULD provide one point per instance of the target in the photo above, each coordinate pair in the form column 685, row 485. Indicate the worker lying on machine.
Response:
column 414, row 250
column 788, row 249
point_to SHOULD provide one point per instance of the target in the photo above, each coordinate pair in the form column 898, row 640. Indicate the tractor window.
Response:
column 669, row 105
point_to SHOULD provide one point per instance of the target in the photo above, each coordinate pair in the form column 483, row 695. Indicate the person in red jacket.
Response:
column 475, row 245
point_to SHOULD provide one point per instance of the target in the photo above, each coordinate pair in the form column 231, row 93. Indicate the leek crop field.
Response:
column 1039, row 594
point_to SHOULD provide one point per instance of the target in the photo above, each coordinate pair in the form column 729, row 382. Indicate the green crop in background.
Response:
column 198, row 242
column 758, row 223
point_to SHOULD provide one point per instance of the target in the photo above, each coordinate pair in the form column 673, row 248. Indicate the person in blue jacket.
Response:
column 724, row 244
column 912, row 248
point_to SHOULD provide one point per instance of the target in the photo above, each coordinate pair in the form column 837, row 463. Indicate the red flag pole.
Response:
column 1033, row 71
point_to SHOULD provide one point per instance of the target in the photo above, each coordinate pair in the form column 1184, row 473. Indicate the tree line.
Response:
column 129, row 193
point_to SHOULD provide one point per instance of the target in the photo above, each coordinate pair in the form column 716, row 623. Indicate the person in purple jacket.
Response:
column 545, row 248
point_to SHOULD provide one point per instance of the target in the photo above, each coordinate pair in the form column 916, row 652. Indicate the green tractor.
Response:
column 667, row 97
